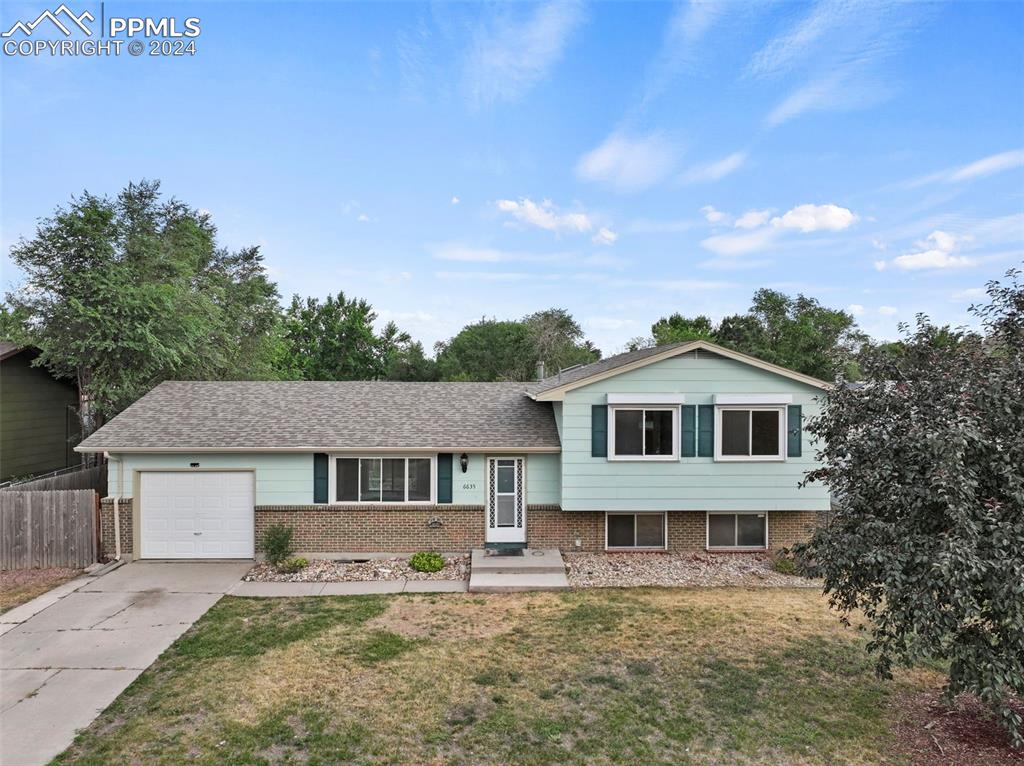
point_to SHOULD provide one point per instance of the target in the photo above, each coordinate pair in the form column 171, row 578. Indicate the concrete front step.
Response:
column 492, row 582
column 533, row 561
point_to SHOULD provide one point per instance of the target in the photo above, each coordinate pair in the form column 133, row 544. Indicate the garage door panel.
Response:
column 197, row 515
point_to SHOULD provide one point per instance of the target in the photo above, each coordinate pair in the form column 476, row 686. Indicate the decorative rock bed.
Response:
column 626, row 570
column 327, row 570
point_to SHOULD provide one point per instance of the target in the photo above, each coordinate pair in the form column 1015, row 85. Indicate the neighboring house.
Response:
column 689, row 447
column 38, row 421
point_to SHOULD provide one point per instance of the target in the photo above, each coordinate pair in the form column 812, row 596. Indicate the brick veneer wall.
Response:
column 396, row 528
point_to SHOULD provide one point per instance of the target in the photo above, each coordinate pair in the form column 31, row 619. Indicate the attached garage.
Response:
column 196, row 515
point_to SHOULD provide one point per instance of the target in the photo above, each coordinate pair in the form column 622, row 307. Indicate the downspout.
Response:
column 117, row 510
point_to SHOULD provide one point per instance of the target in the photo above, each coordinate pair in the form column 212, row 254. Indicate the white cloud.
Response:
column 845, row 89
column 989, row 165
column 880, row 265
column 888, row 310
column 752, row 219
column 604, row 236
column 363, row 218
column 986, row 166
column 936, row 253
column 545, row 215
column 714, row 171
column 782, row 51
column 856, row 309
column 456, row 200
column 628, row 163
column 741, row 244
column 712, row 215
column 808, row 218
column 508, row 56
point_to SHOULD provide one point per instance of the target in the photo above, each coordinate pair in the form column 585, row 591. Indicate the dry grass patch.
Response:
column 19, row 586
column 595, row 677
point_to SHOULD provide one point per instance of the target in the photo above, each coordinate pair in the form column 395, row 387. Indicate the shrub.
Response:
column 292, row 565
column 277, row 544
column 427, row 561
column 784, row 564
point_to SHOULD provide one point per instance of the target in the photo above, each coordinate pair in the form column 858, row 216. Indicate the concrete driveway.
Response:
column 61, row 667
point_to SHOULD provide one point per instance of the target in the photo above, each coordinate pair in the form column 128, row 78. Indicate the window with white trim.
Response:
column 750, row 433
column 737, row 530
column 643, row 433
column 383, row 479
column 635, row 530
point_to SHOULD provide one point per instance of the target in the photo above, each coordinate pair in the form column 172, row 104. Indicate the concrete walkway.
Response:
column 68, row 654
column 293, row 589
column 517, row 571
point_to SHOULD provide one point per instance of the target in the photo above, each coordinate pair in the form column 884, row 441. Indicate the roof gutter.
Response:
column 509, row 449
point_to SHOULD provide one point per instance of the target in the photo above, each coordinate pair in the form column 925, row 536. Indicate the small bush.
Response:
column 784, row 565
column 427, row 561
column 292, row 565
column 277, row 544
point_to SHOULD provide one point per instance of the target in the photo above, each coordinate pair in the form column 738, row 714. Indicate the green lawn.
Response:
column 595, row 677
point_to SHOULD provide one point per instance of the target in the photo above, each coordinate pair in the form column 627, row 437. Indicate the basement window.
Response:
column 737, row 531
column 635, row 531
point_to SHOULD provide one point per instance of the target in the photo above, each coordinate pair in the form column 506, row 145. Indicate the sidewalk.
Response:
column 360, row 588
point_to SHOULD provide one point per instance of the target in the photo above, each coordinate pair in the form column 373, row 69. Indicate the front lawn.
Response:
column 670, row 676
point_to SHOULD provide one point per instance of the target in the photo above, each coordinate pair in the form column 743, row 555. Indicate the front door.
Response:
column 506, row 500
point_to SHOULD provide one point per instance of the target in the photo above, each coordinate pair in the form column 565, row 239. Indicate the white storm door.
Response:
column 506, row 500
column 196, row 515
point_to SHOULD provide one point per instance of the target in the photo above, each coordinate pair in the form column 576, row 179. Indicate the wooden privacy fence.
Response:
column 47, row 529
column 93, row 477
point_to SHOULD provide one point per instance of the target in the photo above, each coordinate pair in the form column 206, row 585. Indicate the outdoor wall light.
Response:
column 193, row 465
column 464, row 462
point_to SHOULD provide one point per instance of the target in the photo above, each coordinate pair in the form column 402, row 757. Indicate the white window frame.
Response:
column 333, row 480
column 720, row 435
column 735, row 532
column 634, row 514
column 674, row 457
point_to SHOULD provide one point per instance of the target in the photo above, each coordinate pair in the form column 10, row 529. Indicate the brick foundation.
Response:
column 402, row 529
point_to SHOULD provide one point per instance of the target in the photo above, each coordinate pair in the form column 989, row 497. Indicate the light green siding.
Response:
column 692, row 483
column 281, row 478
column 287, row 478
column 543, row 479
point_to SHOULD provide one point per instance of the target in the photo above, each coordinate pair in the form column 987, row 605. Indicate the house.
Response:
column 688, row 447
column 38, row 416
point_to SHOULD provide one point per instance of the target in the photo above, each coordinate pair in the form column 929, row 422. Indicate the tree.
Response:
column 334, row 339
column 488, row 350
column 558, row 340
column 927, row 462
column 677, row 329
column 798, row 333
column 123, row 293
column 403, row 357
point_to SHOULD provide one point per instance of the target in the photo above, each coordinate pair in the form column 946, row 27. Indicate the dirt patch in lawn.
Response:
column 451, row 619
column 966, row 734
column 19, row 586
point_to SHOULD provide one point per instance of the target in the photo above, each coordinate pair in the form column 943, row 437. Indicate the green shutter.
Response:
column 599, row 430
column 320, row 483
column 444, row 477
column 706, row 430
column 688, row 432
column 794, row 432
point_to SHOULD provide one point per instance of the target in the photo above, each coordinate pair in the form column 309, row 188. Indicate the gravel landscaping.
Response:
column 17, row 586
column 624, row 570
column 327, row 570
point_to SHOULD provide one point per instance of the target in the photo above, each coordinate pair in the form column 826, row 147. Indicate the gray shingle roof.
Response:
column 602, row 365
column 330, row 415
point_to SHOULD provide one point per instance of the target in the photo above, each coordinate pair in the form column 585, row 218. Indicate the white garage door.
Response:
column 201, row 515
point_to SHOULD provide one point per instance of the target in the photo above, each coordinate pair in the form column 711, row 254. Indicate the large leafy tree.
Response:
column 926, row 459
column 510, row 350
column 794, row 332
column 488, row 350
column 334, row 339
column 123, row 293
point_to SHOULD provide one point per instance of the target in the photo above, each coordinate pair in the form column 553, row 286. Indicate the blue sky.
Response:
column 453, row 161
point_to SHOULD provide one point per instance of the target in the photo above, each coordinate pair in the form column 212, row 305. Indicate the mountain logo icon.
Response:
column 55, row 18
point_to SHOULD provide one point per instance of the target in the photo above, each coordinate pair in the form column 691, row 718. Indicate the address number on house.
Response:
column 469, row 485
